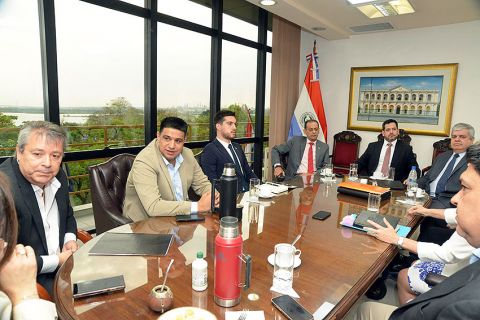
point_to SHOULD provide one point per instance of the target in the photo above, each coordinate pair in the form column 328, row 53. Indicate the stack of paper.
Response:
column 274, row 187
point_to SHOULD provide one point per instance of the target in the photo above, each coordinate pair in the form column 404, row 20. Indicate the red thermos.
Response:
column 228, row 262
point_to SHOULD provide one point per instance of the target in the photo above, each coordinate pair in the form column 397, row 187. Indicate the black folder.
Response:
column 132, row 244
column 394, row 185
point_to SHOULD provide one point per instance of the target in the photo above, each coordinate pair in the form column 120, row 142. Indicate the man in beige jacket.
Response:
column 161, row 175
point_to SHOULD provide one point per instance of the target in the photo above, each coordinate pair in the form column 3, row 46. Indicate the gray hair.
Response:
column 473, row 156
column 466, row 126
column 52, row 131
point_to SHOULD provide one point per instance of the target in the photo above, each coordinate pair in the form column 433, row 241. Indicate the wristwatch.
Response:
column 400, row 242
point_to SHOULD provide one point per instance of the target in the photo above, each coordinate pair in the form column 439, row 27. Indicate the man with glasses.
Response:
column 304, row 154
column 161, row 175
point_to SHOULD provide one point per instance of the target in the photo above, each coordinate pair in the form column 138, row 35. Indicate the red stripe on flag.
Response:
column 315, row 94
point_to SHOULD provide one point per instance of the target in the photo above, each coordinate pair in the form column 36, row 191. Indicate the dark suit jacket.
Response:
column 455, row 298
column 453, row 183
column 214, row 157
column 295, row 147
column 402, row 160
column 31, row 231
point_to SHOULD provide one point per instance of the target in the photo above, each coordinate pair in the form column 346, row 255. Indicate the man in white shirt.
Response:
column 390, row 152
column 40, row 189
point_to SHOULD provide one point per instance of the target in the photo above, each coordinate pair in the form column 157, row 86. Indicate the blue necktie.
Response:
column 442, row 182
column 242, row 186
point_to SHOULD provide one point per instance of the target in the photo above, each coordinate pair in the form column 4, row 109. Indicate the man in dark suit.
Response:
column 40, row 188
column 223, row 150
column 299, row 153
column 390, row 152
column 442, row 181
column 457, row 297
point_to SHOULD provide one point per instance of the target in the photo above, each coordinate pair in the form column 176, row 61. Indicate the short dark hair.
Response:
column 8, row 219
column 174, row 123
column 388, row 121
column 310, row 120
column 218, row 118
column 473, row 156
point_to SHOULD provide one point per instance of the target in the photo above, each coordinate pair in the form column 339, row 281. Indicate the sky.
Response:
column 100, row 56
column 427, row 83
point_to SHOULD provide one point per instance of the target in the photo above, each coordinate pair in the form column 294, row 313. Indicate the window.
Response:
column 21, row 97
column 241, row 19
column 198, row 11
column 268, row 76
column 100, row 75
column 239, row 64
column 183, row 85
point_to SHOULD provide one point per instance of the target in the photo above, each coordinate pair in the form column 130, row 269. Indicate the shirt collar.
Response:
column 385, row 142
column 178, row 161
column 224, row 144
column 53, row 183
column 314, row 142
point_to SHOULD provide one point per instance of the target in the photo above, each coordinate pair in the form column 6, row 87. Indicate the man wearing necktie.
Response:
column 457, row 296
column 390, row 152
column 223, row 150
column 305, row 154
column 442, row 181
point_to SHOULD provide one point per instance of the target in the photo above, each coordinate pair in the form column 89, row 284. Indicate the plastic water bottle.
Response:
column 412, row 179
column 199, row 273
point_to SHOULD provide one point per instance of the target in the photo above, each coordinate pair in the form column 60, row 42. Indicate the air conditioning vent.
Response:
column 372, row 27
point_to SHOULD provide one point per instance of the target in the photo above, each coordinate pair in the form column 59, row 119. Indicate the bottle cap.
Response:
column 199, row 255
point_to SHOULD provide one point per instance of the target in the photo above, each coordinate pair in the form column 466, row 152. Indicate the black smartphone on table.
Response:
column 321, row 215
column 189, row 217
column 291, row 308
column 98, row 286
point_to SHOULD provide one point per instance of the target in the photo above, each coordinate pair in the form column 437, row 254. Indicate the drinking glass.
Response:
column 328, row 170
column 412, row 192
column 284, row 261
column 253, row 193
column 391, row 174
column 374, row 200
column 353, row 173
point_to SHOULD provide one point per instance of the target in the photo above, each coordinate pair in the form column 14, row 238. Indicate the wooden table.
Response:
column 338, row 264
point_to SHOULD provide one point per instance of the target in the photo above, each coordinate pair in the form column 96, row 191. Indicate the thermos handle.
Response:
column 248, row 270
column 212, row 196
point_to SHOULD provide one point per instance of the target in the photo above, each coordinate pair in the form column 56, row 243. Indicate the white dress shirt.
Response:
column 303, row 167
column 433, row 184
column 382, row 154
column 50, row 215
column 225, row 145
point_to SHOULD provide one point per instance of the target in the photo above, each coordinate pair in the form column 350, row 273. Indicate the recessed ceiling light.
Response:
column 318, row 28
column 268, row 2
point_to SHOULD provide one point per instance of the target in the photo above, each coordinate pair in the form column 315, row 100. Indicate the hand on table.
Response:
column 386, row 234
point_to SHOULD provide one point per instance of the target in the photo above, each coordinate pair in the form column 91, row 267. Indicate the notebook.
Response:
column 132, row 244
column 362, row 217
column 394, row 185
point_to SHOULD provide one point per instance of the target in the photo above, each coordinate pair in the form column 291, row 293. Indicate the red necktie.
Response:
column 386, row 160
column 310, row 159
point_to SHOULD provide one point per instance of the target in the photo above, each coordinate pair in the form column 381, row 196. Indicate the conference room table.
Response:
column 338, row 264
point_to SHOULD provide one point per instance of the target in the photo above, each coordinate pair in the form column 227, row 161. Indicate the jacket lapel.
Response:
column 163, row 169
column 460, row 164
column 30, row 201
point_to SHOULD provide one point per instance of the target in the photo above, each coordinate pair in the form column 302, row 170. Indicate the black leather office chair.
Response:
column 107, row 187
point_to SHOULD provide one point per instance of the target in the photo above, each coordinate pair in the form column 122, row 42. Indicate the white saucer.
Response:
column 266, row 196
column 421, row 196
column 271, row 259
column 375, row 178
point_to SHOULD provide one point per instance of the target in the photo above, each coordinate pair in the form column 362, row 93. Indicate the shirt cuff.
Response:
column 451, row 216
column 277, row 165
column 69, row 237
column 50, row 263
column 194, row 207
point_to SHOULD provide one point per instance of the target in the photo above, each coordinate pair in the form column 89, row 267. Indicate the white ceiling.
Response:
column 337, row 16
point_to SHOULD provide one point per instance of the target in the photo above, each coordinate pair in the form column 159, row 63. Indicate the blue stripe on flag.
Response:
column 295, row 129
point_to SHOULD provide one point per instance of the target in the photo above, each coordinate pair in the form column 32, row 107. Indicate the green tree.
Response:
column 8, row 137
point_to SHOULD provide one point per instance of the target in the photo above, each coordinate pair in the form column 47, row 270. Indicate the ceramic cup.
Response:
column 160, row 300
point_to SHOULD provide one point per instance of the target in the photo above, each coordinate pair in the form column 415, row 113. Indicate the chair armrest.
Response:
column 83, row 236
column 43, row 293
column 432, row 279
column 425, row 170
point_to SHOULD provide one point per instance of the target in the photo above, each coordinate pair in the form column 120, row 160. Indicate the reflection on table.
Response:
column 337, row 265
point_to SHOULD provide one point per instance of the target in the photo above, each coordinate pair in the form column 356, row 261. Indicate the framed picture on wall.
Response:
column 419, row 97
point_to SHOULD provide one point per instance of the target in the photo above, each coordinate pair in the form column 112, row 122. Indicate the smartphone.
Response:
column 291, row 308
column 98, row 286
column 321, row 215
column 189, row 217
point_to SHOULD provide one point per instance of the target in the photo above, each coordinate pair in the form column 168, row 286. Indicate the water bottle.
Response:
column 228, row 191
column 412, row 179
column 228, row 261
column 199, row 273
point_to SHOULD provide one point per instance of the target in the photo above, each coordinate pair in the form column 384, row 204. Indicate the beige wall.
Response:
column 458, row 43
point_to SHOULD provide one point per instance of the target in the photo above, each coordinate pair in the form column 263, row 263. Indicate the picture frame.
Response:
column 419, row 97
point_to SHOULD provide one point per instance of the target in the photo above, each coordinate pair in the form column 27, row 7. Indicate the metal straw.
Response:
column 166, row 274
